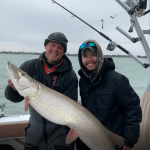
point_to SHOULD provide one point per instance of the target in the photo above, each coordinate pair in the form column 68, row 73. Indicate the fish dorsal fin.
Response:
column 116, row 139
column 72, row 136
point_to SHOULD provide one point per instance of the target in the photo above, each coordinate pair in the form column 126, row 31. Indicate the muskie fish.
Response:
column 60, row 109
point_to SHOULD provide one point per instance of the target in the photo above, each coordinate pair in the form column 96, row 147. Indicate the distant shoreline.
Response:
column 34, row 53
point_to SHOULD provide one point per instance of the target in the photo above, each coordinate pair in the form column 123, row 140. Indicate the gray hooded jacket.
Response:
column 40, row 132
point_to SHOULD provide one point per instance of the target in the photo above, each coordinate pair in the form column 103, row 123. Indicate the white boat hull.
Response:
column 12, row 130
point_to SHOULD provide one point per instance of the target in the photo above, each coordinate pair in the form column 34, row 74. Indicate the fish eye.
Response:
column 23, row 73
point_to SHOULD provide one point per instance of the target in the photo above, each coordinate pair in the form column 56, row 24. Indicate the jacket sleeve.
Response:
column 12, row 95
column 70, row 85
column 130, row 103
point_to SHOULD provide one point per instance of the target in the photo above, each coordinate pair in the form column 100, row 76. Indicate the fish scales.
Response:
column 68, row 113
column 62, row 110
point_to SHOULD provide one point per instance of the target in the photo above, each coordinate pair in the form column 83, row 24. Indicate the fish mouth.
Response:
column 15, row 74
column 13, row 70
column 25, row 88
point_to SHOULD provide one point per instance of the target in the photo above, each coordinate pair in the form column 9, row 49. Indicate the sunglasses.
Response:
column 88, row 44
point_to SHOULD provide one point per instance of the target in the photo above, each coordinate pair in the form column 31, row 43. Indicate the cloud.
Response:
column 24, row 24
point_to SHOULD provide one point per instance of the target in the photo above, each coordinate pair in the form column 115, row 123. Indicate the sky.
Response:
column 25, row 24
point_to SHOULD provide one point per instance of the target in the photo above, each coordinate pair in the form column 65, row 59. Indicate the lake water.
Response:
column 137, row 75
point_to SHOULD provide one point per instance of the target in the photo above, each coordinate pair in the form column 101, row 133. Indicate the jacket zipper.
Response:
column 45, row 132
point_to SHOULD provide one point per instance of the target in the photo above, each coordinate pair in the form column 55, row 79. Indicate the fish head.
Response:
column 24, row 84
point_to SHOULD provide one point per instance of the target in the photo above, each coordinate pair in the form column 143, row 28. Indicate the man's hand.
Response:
column 126, row 148
column 12, row 85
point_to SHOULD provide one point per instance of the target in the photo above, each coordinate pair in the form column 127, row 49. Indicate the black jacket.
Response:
column 113, row 101
column 41, row 132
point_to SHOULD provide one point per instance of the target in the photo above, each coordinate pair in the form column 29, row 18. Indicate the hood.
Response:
column 99, row 62
column 108, row 64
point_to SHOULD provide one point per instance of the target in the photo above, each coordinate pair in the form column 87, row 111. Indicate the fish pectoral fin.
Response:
column 26, row 104
column 72, row 136
column 117, row 140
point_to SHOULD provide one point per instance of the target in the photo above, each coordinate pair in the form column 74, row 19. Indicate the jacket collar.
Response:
column 64, row 65
column 50, row 70
column 107, row 65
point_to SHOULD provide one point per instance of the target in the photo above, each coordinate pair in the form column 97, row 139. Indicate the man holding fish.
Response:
column 53, row 69
column 108, row 95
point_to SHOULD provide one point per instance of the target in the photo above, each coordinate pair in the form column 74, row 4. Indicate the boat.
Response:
column 12, row 130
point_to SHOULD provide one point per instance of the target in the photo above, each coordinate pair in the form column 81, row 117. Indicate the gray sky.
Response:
column 24, row 24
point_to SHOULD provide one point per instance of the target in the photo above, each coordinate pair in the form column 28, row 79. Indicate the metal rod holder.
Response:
column 142, row 37
column 133, row 3
column 138, row 60
column 124, row 33
column 123, row 4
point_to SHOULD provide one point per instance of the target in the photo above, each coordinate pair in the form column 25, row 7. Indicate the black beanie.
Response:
column 57, row 37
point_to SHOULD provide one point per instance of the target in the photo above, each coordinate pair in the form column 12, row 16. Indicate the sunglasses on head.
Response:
column 87, row 44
